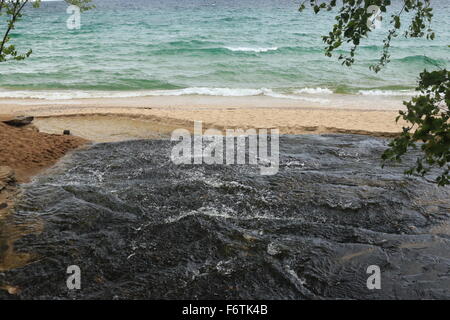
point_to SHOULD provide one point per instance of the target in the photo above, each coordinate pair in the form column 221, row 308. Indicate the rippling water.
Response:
column 213, row 47
column 141, row 227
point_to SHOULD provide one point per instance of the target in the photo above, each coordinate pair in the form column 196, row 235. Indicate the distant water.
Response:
column 208, row 47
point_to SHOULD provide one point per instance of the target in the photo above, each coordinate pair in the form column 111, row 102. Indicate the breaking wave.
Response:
column 247, row 49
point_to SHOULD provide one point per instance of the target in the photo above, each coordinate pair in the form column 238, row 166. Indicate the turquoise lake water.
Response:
column 210, row 47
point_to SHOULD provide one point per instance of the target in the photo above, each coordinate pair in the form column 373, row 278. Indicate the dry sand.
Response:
column 28, row 151
column 25, row 152
column 114, row 119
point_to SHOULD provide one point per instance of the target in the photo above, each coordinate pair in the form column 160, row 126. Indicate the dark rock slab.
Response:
column 141, row 227
column 19, row 121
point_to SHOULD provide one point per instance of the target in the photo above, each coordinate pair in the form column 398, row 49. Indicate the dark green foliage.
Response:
column 428, row 117
column 352, row 24
column 428, row 113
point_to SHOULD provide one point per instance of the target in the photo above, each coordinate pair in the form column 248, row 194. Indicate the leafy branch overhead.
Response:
column 351, row 24
column 427, row 114
column 11, row 11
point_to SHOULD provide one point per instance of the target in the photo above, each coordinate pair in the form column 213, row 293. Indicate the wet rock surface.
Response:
column 141, row 227
column 19, row 121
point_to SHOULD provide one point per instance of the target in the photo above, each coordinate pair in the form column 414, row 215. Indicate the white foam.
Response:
column 224, row 212
column 247, row 49
column 387, row 93
column 270, row 93
column 314, row 91
column 224, row 92
column 68, row 94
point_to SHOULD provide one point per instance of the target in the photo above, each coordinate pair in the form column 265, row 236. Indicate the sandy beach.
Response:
column 115, row 119
column 26, row 152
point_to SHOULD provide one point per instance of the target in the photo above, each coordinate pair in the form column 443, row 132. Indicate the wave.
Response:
column 248, row 49
column 304, row 94
column 204, row 91
column 421, row 59
column 387, row 93
column 68, row 94
column 314, row 91
column 225, row 92
column 194, row 43
column 84, row 94
column 34, row 81
column 215, row 50
column 237, row 18
column 270, row 93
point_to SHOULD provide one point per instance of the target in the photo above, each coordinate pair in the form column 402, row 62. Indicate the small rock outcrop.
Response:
column 7, row 177
column 19, row 121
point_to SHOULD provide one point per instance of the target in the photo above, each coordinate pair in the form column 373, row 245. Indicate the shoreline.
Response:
column 144, row 117
column 307, row 101
column 119, row 126
column 109, row 119
column 118, row 119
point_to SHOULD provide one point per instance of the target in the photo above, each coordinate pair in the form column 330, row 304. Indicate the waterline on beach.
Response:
column 306, row 94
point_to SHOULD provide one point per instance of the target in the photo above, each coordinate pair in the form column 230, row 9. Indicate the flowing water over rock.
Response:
column 139, row 226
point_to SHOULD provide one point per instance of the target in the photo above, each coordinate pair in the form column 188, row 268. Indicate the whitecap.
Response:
column 314, row 91
column 204, row 91
column 387, row 93
column 247, row 49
